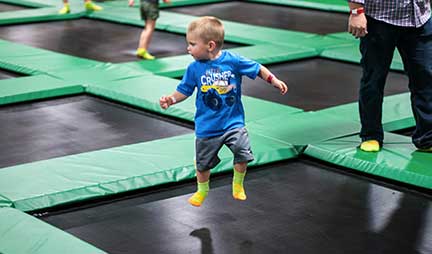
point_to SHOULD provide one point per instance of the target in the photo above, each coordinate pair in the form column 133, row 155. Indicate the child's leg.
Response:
column 90, row 6
column 203, row 187
column 66, row 7
column 238, row 191
column 145, row 38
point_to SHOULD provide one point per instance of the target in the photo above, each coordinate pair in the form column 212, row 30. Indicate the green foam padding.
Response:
column 104, row 72
column 176, row 66
column 30, row 3
column 326, row 5
column 35, row 87
column 22, row 233
column 145, row 91
column 36, row 15
column 350, row 52
column 398, row 159
column 84, row 176
column 32, row 61
column 303, row 128
column 397, row 113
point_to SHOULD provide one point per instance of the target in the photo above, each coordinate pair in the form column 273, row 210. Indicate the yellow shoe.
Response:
column 90, row 6
column 197, row 199
column 64, row 10
column 238, row 192
column 144, row 54
column 370, row 146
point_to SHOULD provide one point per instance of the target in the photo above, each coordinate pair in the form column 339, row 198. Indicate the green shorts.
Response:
column 149, row 10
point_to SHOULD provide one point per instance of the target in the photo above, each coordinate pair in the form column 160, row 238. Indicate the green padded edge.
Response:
column 397, row 113
column 100, row 73
column 32, row 61
column 36, row 15
column 27, row 3
column 135, row 91
column 35, row 87
column 22, row 233
column 84, row 176
column 176, row 66
column 325, row 5
column 350, row 52
column 303, row 128
column 398, row 160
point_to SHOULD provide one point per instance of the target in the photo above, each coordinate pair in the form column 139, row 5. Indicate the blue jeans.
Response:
column 377, row 48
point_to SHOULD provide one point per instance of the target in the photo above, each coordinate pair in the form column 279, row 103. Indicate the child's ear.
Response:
column 211, row 45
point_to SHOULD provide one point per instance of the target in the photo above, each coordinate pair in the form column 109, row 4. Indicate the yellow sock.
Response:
column 144, row 54
column 238, row 191
column 198, row 197
column 90, row 6
column 65, row 9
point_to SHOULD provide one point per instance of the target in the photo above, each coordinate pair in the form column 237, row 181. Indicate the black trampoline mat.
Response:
column 4, row 74
column 65, row 126
column 10, row 7
column 298, row 206
column 276, row 16
column 94, row 39
column 405, row 132
column 315, row 84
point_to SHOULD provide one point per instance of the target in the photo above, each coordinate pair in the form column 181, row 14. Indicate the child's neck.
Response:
column 215, row 55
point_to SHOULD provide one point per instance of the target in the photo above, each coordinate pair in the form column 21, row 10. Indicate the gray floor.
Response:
column 276, row 16
column 297, row 206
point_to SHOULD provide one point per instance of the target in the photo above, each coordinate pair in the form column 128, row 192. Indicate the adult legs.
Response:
column 377, row 49
column 415, row 47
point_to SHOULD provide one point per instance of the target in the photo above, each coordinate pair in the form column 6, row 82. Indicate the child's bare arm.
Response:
column 266, row 75
column 166, row 101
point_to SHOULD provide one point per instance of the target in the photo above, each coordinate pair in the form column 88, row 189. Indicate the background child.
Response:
column 219, row 117
column 88, row 4
column 149, row 13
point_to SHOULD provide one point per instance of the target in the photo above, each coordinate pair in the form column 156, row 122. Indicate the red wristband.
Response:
column 270, row 78
column 357, row 11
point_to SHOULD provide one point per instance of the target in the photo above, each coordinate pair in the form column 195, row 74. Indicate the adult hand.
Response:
column 357, row 25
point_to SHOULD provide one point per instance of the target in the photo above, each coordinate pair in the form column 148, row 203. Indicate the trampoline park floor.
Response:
column 95, row 39
column 286, row 212
column 4, row 74
column 296, row 203
column 316, row 84
column 65, row 126
column 9, row 7
column 275, row 16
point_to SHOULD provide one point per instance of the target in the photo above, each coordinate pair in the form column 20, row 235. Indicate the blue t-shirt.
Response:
column 218, row 100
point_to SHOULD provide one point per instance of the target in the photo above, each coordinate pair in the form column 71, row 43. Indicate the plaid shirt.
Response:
column 407, row 13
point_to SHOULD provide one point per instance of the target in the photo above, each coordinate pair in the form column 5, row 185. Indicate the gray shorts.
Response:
column 207, row 149
column 149, row 10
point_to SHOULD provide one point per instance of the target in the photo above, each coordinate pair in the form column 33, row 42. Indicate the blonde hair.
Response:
column 208, row 29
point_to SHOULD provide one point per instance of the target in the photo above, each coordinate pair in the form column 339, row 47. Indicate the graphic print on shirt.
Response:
column 217, row 88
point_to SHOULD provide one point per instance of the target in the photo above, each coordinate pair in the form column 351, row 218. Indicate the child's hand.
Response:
column 166, row 101
column 167, row 1
column 131, row 2
column 279, row 84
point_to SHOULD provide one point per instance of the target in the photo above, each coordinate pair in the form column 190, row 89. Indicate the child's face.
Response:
column 197, row 48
